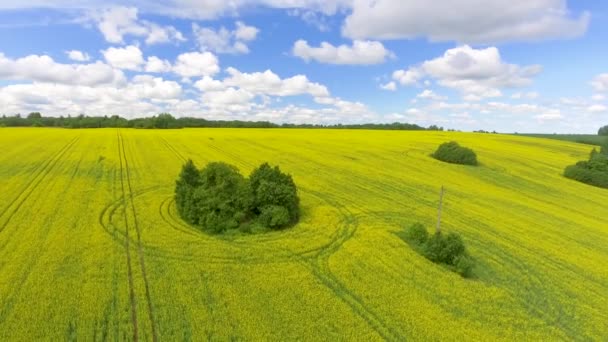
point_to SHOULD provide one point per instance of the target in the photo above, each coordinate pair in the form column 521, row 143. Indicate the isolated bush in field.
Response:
column 447, row 249
column 218, row 198
column 452, row 152
column 273, row 188
column 417, row 234
column 593, row 171
column 444, row 248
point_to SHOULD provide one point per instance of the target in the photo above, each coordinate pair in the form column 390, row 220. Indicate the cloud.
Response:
column 312, row 18
column 157, row 65
column 144, row 95
column 196, row 64
column 408, row 77
column 43, row 68
column 549, row 115
column 129, row 57
column 597, row 108
column 78, row 56
column 600, row 83
column 391, row 86
column 209, row 84
column 464, row 21
column 359, row 53
column 223, row 40
column 269, row 83
column 428, row 94
column 117, row 22
column 531, row 95
column 476, row 73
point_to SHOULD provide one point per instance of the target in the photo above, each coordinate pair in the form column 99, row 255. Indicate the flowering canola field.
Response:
column 91, row 247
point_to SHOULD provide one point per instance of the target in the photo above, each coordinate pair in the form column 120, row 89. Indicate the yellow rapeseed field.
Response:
column 91, row 247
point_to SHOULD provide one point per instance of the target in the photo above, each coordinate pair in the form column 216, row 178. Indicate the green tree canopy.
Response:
column 452, row 152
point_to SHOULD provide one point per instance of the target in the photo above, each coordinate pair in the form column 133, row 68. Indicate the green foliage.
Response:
column 218, row 198
column 222, row 200
column 593, row 171
column 417, row 234
column 447, row 249
column 189, row 179
column 274, row 216
column 603, row 130
column 167, row 121
column 271, row 188
column 452, row 152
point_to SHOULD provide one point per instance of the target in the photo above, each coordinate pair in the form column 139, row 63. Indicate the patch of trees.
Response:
column 446, row 249
column 603, row 130
column 593, row 171
column 219, row 199
column 452, row 152
column 167, row 121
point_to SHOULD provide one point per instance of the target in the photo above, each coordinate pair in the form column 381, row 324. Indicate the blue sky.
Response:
column 533, row 66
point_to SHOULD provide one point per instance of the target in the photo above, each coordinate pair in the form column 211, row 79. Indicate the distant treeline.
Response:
column 167, row 121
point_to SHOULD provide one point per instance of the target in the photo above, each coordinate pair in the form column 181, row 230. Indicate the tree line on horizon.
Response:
column 168, row 121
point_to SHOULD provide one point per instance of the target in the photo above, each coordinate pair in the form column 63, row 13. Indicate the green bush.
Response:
column 189, row 179
column 452, row 152
column 218, row 198
column 593, row 172
column 447, row 249
column 603, row 130
column 417, row 234
column 274, row 216
column 272, row 188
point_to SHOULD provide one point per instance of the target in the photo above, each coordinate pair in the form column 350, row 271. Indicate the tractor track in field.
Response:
column 125, row 171
column 31, row 186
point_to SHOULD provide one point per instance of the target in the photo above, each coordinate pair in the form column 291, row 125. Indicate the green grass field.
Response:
column 91, row 247
column 589, row 139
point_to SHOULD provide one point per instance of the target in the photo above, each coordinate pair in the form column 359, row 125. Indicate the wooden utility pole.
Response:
column 439, row 210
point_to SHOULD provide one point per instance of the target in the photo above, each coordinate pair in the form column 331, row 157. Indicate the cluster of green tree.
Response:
column 452, row 152
column 447, row 249
column 603, row 130
column 167, row 121
column 218, row 198
column 593, row 171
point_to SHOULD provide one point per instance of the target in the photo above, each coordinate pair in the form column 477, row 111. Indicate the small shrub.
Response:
column 452, row 152
column 593, row 171
column 274, row 216
column 463, row 265
column 447, row 249
column 417, row 234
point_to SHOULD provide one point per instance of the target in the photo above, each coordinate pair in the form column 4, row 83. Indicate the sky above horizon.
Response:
column 509, row 66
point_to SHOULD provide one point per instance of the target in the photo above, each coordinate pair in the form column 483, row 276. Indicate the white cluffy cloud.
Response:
column 477, row 73
column 43, row 68
column 117, row 22
column 78, row 56
column 224, row 40
column 129, row 57
column 196, row 64
column 464, row 21
column 360, row 52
